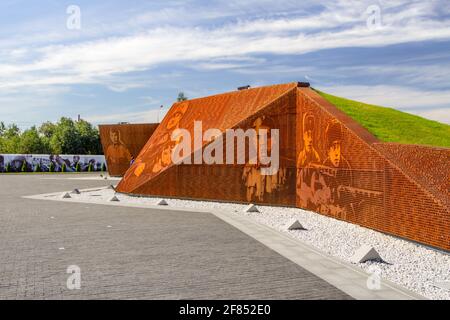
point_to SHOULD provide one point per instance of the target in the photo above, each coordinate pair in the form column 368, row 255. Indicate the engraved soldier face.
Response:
column 308, row 131
column 334, row 153
column 335, row 136
column 308, row 139
column 114, row 135
column 166, row 156
column 174, row 120
column 139, row 169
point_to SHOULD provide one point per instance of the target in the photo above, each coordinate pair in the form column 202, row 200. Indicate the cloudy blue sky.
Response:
column 129, row 57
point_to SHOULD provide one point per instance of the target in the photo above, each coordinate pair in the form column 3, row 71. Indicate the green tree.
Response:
column 10, row 139
column 2, row 128
column 89, row 138
column 181, row 97
column 70, row 137
column 11, row 131
column 46, row 131
column 31, row 142
column 64, row 139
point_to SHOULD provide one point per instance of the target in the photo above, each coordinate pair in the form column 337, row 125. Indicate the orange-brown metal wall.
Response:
column 122, row 143
column 328, row 164
column 239, row 182
column 347, row 175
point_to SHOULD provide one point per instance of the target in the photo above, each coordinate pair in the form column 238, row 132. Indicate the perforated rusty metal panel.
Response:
column 122, row 142
column 220, row 112
column 345, row 173
column 239, row 182
column 328, row 164
column 428, row 165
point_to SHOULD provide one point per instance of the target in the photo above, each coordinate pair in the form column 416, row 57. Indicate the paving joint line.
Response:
column 266, row 235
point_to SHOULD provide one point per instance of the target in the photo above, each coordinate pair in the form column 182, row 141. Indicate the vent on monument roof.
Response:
column 303, row 84
column 244, row 88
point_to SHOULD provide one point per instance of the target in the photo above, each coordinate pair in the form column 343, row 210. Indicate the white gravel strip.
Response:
column 413, row 266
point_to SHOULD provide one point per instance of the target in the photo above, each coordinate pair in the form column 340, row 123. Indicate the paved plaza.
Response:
column 134, row 253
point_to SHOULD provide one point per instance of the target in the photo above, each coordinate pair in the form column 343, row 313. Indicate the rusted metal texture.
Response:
column 328, row 164
column 122, row 143
column 274, row 107
column 345, row 173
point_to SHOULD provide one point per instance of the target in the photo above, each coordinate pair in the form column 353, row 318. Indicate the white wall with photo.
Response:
column 16, row 162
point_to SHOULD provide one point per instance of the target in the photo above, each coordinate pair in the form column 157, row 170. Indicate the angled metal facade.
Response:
column 328, row 164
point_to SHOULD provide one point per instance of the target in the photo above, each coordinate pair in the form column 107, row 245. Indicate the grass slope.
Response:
column 390, row 125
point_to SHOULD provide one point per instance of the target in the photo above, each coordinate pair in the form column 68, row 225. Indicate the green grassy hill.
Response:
column 390, row 125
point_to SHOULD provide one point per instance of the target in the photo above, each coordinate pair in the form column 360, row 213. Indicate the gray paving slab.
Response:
column 135, row 253
column 344, row 276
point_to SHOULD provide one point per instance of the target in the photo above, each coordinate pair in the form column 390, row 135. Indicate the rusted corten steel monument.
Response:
column 328, row 164
column 122, row 142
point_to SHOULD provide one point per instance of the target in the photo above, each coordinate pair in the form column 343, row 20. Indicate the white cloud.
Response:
column 441, row 115
column 228, row 63
column 408, row 74
column 95, row 61
column 122, row 87
column 150, row 116
column 57, row 59
column 150, row 100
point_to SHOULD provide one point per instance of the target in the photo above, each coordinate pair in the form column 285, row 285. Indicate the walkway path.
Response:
column 134, row 253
